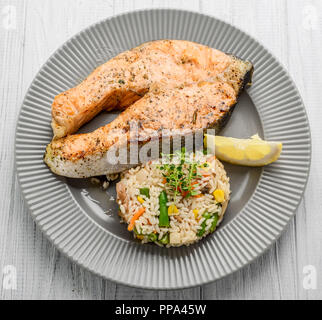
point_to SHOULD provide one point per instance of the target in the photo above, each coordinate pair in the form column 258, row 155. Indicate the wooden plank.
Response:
column 305, row 65
column 12, row 32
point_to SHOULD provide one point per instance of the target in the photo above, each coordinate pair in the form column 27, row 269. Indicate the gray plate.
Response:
column 82, row 220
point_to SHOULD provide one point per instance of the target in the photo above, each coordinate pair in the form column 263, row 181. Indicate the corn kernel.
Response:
column 207, row 167
column 219, row 195
column 140, row 199
column 172, row 209
column 195, row 212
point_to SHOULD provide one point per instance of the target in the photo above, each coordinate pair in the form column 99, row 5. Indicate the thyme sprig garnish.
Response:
column 181, row 173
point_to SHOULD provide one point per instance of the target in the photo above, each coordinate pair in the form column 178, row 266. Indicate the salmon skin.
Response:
column 186, row 109
column 126, row 78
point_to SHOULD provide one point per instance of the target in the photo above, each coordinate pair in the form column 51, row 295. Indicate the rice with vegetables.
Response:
column 176, row 201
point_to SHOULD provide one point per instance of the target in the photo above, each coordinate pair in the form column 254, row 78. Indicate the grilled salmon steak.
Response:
column 126, row 78
column 187, row 110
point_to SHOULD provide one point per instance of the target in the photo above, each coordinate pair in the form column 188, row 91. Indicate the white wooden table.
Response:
column 30, row 30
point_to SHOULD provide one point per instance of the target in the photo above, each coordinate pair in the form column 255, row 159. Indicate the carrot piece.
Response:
column 184, row 193
column 198, row 195
column 206, row 174
column 164, row 181
column 136, row 216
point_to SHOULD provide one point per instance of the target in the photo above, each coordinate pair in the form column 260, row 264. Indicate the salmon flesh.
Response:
column 121, row 81
column 162, row 112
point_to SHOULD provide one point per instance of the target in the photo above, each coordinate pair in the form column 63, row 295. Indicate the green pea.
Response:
column 201, row 231
column 165, row 239
column 145, row 192
column 214, row 222
column 153, row 237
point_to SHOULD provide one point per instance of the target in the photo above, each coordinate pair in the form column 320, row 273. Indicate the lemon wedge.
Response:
column 252, row 152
